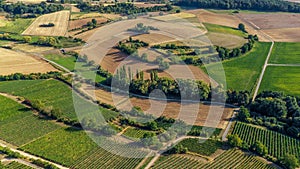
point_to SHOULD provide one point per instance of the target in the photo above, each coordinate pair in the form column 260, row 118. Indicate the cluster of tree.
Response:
column 10, row 153
column 121, row 8
column 274, row 111
column 263, row 5
column 141, row 28
column 43, row 164
column 185, row 88
column 92, row 23
column 225, row 53
column 31, row 76
column 92, row 125
column 238, row 97
column 21, row 8
column 47, row 25
column 131, row 46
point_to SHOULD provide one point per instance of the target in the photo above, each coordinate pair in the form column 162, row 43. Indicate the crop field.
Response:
column 31, row 48
column 226, row 40
column 278, row 144
column 82, row 15
column 285, row 53
column 16, row 165
column 11, row 111
column 64, row 146
column 79, row 23
column 242, row 72
column 224, row 29
column 17, row 26
column 287, row 30
column 134, row 133
column 229, row 159
column 60, row 98
column 100, row 158
column 59, row 19
column 153, row 38
column 174, row 17
column 18, row 62
column 24, row 130
column 281, row 78
column 207, row 147
column 170, row 109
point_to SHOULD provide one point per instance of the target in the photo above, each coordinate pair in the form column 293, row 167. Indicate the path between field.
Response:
column 224, row 136
column 21, row 162
column 4, row 144
column 285, row 65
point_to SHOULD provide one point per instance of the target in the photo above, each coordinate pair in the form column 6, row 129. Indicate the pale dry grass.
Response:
column 94, row 15
column 60, row 19
column 176, row 16
column 154, row 38
column 31, row 48
column 226, row 40
column 17, row 62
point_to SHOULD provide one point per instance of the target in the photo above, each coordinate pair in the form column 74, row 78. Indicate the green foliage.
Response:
column 243, row 114
column 273, row 107
column 10, row 153
column 141, row 28
column 135, row 133
column 44, row 164
column 289, row 161
column 14, row 165
column 223, row 29
column 235, row 140
column 242, row 27
column 278, row 144
column 17, row 26
column 259, row 148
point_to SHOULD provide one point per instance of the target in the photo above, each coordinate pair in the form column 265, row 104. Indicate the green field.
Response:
column 27, row 129
column 50, row 92
column 64, row 146
column 284, row 79
column 16, row 165
column 11, row 110
column 278, row 144
column 205, row 147
column 285, row 53
column 81, row 68
column 135, row 134
column 224, row 29
column 229, row 159
column 242, row 72
column 17, row 26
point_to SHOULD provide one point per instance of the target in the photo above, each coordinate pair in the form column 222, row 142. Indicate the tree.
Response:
column 235, row 140
column 27, row 39
column 243, row 114
column 241, row 27
column 260, row 148
column 289, row 161
column 94, row 21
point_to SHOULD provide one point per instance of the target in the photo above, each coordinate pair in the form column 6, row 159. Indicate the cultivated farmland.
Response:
column 229, row 159
column 16, row 165
column 59, row 19
column 18, row 62
column 281, row 78
column 278, row 144
column 17, row 26
column 79, row 23
column 285, row 53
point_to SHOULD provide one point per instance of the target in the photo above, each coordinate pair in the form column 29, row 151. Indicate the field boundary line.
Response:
column 283, row 65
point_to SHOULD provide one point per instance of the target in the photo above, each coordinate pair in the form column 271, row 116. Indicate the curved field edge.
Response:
column 241, row 72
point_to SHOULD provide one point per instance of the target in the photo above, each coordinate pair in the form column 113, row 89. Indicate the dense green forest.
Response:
column 259, row 5
column 21, row 8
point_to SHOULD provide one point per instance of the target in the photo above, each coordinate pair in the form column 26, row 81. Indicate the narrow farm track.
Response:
column 4, row 144
column 284, row 65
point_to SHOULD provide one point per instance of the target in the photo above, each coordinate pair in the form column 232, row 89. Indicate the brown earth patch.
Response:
column 81, row 22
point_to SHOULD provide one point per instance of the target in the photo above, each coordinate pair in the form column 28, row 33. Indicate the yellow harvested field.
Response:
column 17, row 62
column 176, row 16
column 3, row 21
column 154, row 38
column 60, row 20
column 94, row 15
column 284, row 34
column 226, row 40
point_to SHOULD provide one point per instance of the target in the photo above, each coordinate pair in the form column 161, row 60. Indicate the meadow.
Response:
column 285, row 53
column 17, row 26
column 278, row 144
column 229, row 159
column 224, row 29
column 241, row 72
column 283, row 79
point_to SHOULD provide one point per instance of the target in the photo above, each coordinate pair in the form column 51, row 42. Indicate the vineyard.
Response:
column 26, row 129
column 229, row 159
column 134, row 133
column 278, row 144
column 16, row 165
column 203, row 147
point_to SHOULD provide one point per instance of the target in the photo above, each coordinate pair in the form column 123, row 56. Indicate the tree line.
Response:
column 261, row 5
column 21, row 8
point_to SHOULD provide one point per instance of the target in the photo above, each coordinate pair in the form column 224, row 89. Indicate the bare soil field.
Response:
column 226, row 40
column 146, row 5
column 273, row 20
column 224, row 20
column 60, row 20
column 81, row 22
column 17, row 62
column 154, row 38
column 181, row 72
column 169, row 109
column 284, row 34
